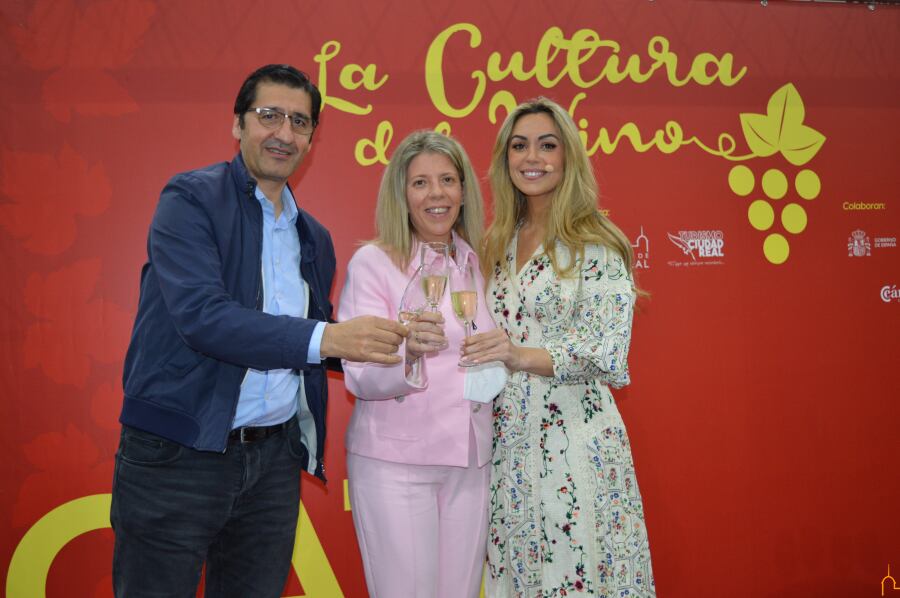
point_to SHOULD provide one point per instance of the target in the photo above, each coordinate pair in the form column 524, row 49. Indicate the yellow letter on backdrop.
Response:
column 30, row 564
column 434, row 71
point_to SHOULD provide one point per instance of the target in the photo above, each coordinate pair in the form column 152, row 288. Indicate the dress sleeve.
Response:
column 368, row 290
column 596, row 344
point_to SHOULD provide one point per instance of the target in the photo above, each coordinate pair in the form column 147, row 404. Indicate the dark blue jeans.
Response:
column 174, row 508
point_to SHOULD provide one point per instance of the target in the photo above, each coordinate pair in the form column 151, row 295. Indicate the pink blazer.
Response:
column 395, row 419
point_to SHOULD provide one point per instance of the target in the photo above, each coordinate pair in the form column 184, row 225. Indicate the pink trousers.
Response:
column 421, row 528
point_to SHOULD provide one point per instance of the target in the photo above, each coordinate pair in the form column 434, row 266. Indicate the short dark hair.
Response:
column 283, row 74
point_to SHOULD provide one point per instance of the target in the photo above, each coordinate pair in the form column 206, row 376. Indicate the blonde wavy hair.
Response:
column 393, row 226
column 574, row 218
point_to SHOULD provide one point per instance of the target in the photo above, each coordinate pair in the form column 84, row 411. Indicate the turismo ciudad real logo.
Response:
column 699, row 247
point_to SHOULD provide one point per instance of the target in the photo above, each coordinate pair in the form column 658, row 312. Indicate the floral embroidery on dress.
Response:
column 566, row 515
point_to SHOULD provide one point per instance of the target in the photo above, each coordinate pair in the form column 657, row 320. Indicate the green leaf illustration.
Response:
column 781, row 129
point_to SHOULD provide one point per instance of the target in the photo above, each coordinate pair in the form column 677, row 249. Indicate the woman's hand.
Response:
column 426, row 335
column 492, row 346
column 496, row 346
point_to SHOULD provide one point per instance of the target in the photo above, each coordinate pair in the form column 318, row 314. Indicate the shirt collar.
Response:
column 455, row 239
column 288, row 207
column 462, row 248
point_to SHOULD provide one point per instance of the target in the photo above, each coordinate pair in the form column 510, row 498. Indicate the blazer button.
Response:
column 399, row 399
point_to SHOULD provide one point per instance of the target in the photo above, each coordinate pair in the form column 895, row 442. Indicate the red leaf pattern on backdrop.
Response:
column 62, row 38
column 42, row 213
column 67, row 468
column 73, row 327
column 98, row 95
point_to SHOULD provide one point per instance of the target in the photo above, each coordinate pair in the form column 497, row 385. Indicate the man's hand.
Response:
column 364, row 339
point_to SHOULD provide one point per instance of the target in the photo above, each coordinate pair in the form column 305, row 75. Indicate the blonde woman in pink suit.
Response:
column 417, row 448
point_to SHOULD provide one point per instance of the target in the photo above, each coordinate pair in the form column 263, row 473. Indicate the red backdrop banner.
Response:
column 749, row 151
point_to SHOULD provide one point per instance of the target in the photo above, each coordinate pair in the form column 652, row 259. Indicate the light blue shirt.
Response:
column 271, row 397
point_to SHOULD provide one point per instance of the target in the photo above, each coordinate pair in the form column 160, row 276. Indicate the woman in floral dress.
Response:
column 566, row 514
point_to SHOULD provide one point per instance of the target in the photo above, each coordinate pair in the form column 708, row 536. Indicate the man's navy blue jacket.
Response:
column 200, row 323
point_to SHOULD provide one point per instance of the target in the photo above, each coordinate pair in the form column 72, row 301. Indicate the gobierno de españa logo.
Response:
column 779, row 130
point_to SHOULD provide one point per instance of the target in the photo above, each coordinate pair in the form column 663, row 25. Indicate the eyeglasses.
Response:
column 271, row 118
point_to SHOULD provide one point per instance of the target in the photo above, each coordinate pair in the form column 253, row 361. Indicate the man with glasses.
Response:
column 224, row 381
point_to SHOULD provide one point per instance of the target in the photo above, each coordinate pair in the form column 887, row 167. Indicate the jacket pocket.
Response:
column 182, row 361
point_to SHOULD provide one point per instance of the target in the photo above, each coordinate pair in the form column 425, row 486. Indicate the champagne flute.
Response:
column 464, row 297
column 413, row 300
column 434, row 264
column 412, row 303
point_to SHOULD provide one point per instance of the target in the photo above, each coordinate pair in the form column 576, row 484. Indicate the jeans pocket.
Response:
column 143, row 448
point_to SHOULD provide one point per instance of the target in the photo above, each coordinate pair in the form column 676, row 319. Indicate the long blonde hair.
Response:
column 392, row 222
column 574, row 218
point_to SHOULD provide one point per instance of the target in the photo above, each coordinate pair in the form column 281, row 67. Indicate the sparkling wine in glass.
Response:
column 434, row 269
column 464, row 298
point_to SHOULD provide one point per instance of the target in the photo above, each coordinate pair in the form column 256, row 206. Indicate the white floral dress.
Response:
column 566, row 514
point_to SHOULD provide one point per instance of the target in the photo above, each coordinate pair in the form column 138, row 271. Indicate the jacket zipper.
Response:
column 250, row 190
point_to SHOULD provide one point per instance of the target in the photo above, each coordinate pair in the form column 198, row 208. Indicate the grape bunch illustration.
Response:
column 781, row 212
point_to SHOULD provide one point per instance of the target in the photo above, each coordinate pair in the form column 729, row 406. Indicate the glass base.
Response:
column 463, row 363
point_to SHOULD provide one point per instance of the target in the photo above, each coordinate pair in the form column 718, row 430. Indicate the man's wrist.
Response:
column 325, row 350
